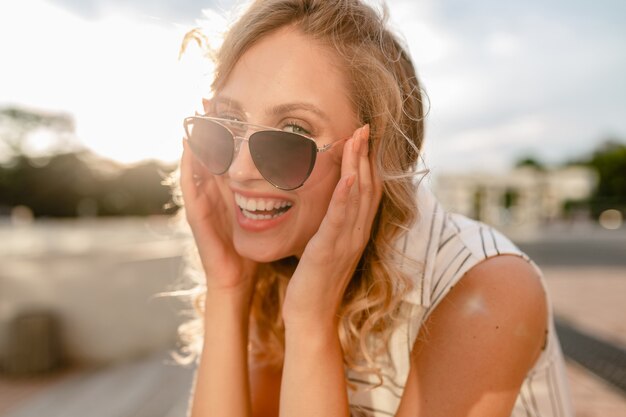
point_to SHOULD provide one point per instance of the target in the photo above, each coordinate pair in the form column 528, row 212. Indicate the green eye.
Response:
column 295, row 128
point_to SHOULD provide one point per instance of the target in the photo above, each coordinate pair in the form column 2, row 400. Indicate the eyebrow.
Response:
column 226, row 101
column 289, row 107
column 276, row 110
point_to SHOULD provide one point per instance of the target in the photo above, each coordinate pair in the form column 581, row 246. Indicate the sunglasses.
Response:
column 284, row 159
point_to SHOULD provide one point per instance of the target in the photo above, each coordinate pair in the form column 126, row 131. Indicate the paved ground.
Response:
column 152, row 386
column 593, row 397
column 590, row 298
column 594, row 298
column 585, row 245
column 585, row 269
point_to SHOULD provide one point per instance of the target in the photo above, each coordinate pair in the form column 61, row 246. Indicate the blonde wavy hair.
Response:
column 385, row 93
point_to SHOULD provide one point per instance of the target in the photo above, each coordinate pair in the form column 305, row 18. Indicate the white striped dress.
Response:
column 445, row 246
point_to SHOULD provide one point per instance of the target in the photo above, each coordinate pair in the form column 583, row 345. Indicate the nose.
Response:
column 242, row 168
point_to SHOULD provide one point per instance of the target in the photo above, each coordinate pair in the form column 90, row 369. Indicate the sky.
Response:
column 505, row 79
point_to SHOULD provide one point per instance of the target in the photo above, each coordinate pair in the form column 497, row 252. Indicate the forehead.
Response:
column 287, row 66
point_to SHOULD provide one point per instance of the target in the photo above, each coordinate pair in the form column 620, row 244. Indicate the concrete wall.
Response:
column 99, row 278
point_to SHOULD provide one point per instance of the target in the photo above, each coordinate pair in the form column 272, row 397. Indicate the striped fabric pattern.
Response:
column 438, row 250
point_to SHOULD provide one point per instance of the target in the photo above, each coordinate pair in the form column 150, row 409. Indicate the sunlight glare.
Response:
column 119, row 76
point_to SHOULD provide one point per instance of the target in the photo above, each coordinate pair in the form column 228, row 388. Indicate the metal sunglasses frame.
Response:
column 251, row 129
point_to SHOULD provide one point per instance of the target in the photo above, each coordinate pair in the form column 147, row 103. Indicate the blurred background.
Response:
column 526, row 131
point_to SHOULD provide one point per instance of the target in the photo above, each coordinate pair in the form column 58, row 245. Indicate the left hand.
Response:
column 329, row 260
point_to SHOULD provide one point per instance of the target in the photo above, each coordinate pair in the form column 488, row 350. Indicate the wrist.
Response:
column 222, row 303
column 312, row 325
column 240, row 290
column 317, row 315
column 314, row 339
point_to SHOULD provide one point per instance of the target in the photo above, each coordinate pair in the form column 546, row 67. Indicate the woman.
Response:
column 331, row 279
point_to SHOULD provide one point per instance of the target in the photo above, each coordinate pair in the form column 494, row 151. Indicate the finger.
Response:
column 368, row 202
column 371, row 173
column 350, row 166
column 187, row 181
column 371, row 182
column 200, row 197
column 334, row 222
column 349, row 159
column 377, row 180
column 341, row 213
column 364, row 164
column 376, row 177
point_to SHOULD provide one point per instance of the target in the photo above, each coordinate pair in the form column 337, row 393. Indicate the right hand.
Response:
column 208, row 217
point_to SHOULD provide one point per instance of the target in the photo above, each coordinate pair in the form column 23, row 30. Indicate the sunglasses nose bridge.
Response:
column 242, row 167
column 238, row 141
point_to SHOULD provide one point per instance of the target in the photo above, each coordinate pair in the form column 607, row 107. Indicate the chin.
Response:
column 262, row 252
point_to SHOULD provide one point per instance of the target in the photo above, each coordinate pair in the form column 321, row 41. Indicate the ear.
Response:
column 207, row 105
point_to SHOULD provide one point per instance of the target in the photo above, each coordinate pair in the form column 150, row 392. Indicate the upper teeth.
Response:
column 254, row 204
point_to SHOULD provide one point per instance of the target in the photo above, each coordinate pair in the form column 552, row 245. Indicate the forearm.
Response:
column 222, row 387
column 313, row 373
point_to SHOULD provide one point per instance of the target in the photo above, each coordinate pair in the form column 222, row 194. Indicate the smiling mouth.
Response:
column 261, row 208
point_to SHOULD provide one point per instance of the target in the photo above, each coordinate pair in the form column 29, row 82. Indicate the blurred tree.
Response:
column 17, row 124
column 609, row 161
column 53, row 189
column 137, row 190
column 71, row 183
column 530, row 161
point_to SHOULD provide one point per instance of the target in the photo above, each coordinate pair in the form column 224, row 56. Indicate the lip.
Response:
column 258, row 194
column 252, row 225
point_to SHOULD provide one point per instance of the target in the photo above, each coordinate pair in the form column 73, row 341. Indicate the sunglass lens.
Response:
column 283, row 158
column 211, row 143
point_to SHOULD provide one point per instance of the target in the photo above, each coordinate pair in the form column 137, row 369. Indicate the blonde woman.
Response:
column 332, row 282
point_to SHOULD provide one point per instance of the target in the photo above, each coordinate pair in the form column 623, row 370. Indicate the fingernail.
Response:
column 364, row 137
column 356, row 142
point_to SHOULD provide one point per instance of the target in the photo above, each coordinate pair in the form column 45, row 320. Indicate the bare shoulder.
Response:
column 503, row 299
column 475, row 349
column 505, row 279
column 512, row 291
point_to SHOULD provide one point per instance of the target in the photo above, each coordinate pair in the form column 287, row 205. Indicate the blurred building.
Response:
column 520, row 201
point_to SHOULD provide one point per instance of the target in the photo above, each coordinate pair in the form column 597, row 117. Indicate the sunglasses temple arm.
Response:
column 328, row 146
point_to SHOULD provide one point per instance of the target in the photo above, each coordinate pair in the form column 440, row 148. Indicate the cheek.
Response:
column 224, row 193
column 318, row 190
